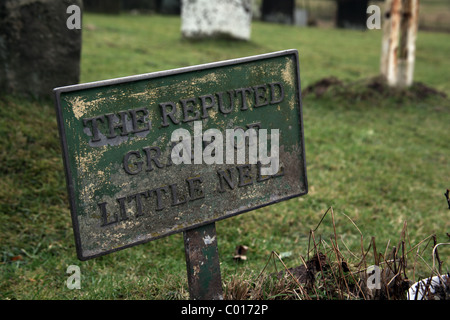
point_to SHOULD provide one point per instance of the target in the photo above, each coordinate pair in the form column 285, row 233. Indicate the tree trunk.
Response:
column 398, row 44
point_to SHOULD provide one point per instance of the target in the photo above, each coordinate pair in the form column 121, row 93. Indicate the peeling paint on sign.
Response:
column 124, row 188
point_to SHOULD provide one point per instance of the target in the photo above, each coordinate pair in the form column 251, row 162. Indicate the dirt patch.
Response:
column 369, row 89
column 320, row 87
column 422, row 91
column 306, row 273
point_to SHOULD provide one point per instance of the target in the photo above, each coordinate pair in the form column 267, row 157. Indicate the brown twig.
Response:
column 318, row 259
column 446, row 194
column 292, row 276
column 307, row 269
column 375, row 254
column 312, row 231
column 404, row 261
column 436, row 254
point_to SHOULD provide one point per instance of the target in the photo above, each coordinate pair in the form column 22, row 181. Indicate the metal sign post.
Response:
column 202, row 262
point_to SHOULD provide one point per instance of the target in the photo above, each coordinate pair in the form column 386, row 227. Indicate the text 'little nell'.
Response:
column 157, row 199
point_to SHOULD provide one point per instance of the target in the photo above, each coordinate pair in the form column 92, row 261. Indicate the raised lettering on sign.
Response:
column 152, row 155
column 134, row 121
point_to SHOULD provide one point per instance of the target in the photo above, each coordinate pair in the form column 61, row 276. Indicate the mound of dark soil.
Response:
column 320, row 87
column 368, row 89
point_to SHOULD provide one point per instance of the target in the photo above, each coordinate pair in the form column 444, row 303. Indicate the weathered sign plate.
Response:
column 127, row 181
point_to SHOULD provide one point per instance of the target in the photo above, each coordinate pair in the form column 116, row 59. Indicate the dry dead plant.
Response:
column 327, row 274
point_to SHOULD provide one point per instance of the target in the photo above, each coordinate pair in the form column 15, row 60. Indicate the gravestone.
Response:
column 216, row 18
column 168, row 6
column 102, row 6
column 278, row 11
column 144, row 5
column 351, row 14
column 37, row 50
column 301, row 17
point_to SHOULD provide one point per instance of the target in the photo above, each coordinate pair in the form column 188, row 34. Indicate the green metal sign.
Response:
column 151, row 155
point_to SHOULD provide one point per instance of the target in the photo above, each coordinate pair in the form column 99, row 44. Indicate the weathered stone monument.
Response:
column 300, row 17
column 139, row 5
column 278, row 11
column 351, row 14
column 37, row 50
column 216, row 18
column 168, row 6
column 102, row 6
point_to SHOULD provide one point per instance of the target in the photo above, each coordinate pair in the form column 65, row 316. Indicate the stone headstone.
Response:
column 216, row 18
column 301, row 17
column 38, row 52
column 278, row 11
column 351, row 14
column 139, row 5
column 168, row 6
column 102, row 6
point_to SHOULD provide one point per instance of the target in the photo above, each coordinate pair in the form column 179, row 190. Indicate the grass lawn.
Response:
column 378, row 162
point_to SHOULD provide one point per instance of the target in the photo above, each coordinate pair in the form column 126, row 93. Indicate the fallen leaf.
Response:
column 16, row 258
column 285, row 254
column 240, row 253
